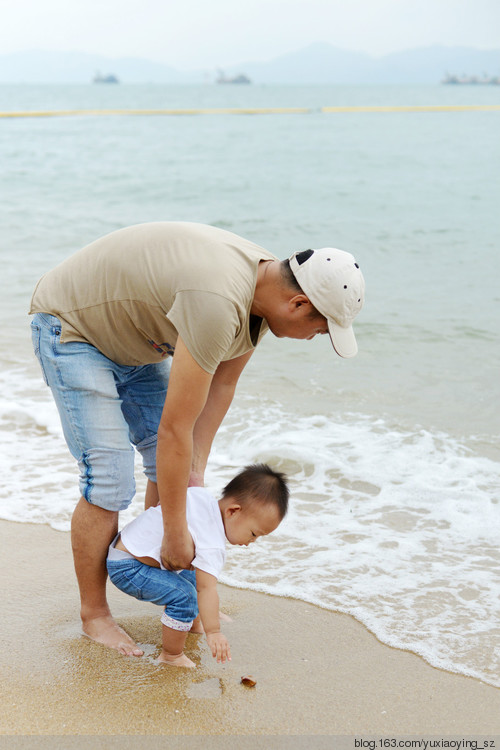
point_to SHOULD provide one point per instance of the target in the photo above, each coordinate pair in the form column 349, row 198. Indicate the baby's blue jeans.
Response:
column 176, row 591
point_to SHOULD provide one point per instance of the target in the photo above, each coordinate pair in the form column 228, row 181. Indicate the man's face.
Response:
column 298, row 320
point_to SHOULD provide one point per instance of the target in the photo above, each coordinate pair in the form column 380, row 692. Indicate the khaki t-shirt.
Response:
column 132, row 292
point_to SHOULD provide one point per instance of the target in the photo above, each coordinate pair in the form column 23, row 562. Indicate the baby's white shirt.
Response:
column 143, row 536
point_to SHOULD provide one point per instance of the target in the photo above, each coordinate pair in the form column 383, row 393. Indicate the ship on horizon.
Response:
column 464, row 80
column 240, row 78
column 110, row 78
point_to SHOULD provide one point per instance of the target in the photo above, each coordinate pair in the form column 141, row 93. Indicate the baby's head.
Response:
column 253, row 504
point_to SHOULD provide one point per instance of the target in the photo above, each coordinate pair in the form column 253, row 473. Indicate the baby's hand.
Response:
column 219, row 646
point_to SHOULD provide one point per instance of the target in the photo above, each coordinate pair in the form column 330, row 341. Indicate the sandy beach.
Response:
column 318, row 673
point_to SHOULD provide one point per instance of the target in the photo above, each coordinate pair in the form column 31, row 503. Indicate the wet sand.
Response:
column 318, row 673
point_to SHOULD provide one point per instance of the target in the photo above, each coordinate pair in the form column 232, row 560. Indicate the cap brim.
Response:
column 343, row 340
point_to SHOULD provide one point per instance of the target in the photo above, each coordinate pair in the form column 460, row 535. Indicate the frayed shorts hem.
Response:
column 170, row 622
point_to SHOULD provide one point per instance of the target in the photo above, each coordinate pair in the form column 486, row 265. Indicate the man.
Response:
column 107, row 322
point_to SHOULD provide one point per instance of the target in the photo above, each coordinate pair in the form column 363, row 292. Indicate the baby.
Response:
column 253, row 504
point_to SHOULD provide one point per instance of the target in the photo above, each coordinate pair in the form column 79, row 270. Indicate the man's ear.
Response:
column 298, row 300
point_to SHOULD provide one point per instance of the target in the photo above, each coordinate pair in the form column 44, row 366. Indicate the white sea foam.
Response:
column 39, row 476
column 398, row 528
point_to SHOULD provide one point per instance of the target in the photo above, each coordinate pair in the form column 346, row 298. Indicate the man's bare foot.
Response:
column 197, row 627
column 176, row 660
column 106, row 631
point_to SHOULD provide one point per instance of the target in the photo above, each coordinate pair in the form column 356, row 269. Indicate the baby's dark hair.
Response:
column 260, row 483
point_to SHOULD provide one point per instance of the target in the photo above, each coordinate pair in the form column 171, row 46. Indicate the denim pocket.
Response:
column 35, row 337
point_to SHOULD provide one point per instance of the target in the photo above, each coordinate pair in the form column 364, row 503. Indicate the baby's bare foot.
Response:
column 106, row 631
column 176, row 660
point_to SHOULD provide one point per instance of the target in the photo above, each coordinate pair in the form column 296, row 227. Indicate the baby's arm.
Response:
column 208, row 604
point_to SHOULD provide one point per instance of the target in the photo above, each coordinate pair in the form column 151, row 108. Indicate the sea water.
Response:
column 393, row 456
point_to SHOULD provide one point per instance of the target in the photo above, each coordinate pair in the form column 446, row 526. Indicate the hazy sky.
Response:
column 207, row 33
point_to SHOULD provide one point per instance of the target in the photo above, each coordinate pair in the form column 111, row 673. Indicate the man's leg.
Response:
column 143, row 398
column 92, row 531
column 151, row 497
column 83, row 383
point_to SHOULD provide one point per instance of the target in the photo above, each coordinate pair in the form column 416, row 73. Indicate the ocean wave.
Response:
column 396, row 527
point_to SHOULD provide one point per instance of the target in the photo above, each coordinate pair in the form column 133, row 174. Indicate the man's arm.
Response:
column 194, row 409
column 187, row 394
column 219, row 400
column 208, row 604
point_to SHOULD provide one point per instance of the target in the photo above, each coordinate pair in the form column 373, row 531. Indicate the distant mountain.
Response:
column 318, row 63
column 322, row 63
column 430, row 64
column 80, row 67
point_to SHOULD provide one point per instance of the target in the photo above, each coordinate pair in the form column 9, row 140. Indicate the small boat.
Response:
column 471, row 80
column 110, row 78
column 241, row 78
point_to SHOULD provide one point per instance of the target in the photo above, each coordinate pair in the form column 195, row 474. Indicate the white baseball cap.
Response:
column 332, row 281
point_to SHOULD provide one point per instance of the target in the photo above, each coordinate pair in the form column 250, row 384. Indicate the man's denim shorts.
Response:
column 105, row 410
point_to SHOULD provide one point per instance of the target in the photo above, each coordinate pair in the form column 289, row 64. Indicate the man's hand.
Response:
column 177, row 549
column 196, row 479
column 219, row 646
